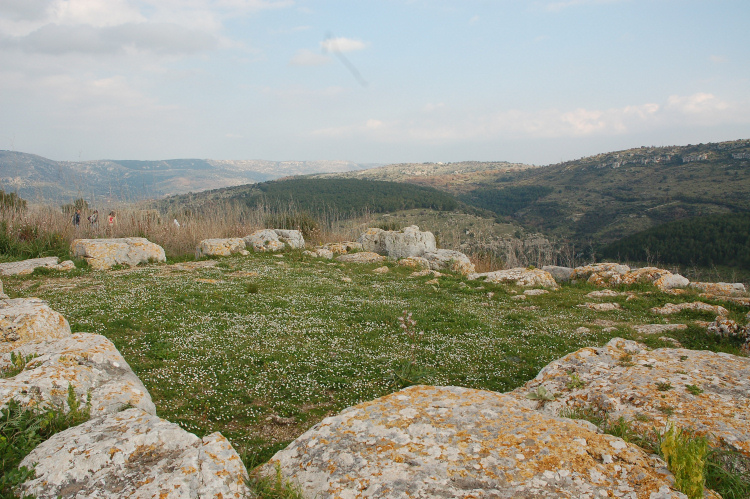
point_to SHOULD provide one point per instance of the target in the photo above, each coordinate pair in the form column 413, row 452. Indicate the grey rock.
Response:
column 443, row 259
column 427, row 442
column 27, row 266
column 137, row 455
column 220, row 247
column 102, row 254
column 561, row 274
column 292, row 238
column 89, row 363
column 24, row 320
column 407, row 242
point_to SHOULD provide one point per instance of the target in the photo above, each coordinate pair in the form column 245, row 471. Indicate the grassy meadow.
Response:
column 262, row 347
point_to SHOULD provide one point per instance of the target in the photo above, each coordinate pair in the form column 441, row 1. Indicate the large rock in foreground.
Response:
column 626, row 379
column 404, row 243
column 89, row 363
column 526, row 278
column 426, row 442
column 269, row 240
column 137, row 455
column 102, row 254
column 27, row 266
column 23, row 320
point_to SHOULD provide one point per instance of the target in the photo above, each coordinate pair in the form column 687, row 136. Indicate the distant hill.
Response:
column 700, row 241
column 345, row 197
column 598, row 199
column 43, row 180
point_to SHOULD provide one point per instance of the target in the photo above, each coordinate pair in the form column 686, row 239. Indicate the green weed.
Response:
column 276, row 487
column 686, row 458
column 18, row 364
column 693, row 390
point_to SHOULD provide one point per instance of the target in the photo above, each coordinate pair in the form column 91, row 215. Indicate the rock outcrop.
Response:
column 103, row 254
column 24, row 320
column 561, row 274
column 330, row 249
column 671, row 308
column 426, row 442
column 407, row 242
column 613, row 274
column 706, row 391
column 526, row 278
column 135, row 454
column 27, row 266
column 361, row 257
column 720, row 288
column 269, row 240
column 221, row 247
column 451, row 260
column 89, row 363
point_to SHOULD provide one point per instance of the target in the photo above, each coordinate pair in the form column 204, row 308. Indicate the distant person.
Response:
column 176, row 224
column 77, row 218
column 94, row 219
column 111, row 222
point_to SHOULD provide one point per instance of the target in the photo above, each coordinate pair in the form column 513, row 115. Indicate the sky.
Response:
column 371, row 81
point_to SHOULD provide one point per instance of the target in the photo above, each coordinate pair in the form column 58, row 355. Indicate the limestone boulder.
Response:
column 330, row 249
column 427, row 442
column 720, row 288
column 627, row 379
column 671, row 308
column 135, row 454
column 292, row 238
column 659, row 328
column 444, row 259
column 265, row 240
column 25, row 267
column 319, row 253
column 526, row 278
column 415, row 262
column 407, row 242
column 89, row 363
column 102, row 254
column 361, row 257
column 561, row 274
column 220, row 247
column 3, row 296
column 23, row 320
column 662, row 279
column 601, row 274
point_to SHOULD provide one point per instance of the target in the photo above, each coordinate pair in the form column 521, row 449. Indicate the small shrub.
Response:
column 251, row 288
column 541, row 394
column 263, row 487
column 575, row 381
column 685, row 457
column 693, row 390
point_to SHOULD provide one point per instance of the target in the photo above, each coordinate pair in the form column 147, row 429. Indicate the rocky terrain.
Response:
column 428, row 440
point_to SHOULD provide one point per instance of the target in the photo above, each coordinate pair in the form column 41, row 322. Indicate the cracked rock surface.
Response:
column 29, row 319
column 137, row 455
column 427, row 442
column 102, row 254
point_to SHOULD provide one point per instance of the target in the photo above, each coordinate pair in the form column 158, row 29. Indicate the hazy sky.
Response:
column 370, row 81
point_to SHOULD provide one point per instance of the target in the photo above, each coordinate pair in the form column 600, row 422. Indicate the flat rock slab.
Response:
column 671, row 308
column 27, row 266
column 89, row 363
column 103, row 254
column 427, row 442
column 627, row 379
column 612, row 274
column 361, row 257
column 221, row 247
column 134, row 454
column 526, row 278
column 659, row 328
column 23, row 320
column 720, row 288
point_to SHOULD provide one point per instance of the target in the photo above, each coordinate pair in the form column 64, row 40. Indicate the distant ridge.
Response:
column 42, row 180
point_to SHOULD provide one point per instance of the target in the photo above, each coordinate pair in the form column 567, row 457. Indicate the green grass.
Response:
column 226, row 348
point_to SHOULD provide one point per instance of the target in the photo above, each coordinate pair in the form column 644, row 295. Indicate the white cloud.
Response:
column 558, row 6
column 697, row 104
column 97, row 13
column 342, row 44
column 305, row 57
column 474, row 20
column 719, row 59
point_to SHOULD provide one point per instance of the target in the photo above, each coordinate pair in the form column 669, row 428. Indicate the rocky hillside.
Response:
column 41, row 180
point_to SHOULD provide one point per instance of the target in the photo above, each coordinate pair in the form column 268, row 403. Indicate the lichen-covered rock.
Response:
column 220, row 247
column 382, row 270
column 729, row 328
column 627, row 379
column 601, row 307
column 25, row 267
column 720, row 288
column 265, row 240
column 29, row 319
column 3, row 296
column 407, row 242
column 662, row 279
column 361, row 257
column 134, row 454
column 671, row 308
column 330, row 249
column 526, row 278
column 607, row 271
column 561, row 274
column 102, row 254
column 659, row 328
column 605, row 293
column 415, row 262
column 448, row 259
column 319, row 253
column 89, row 363
column 427, row 442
